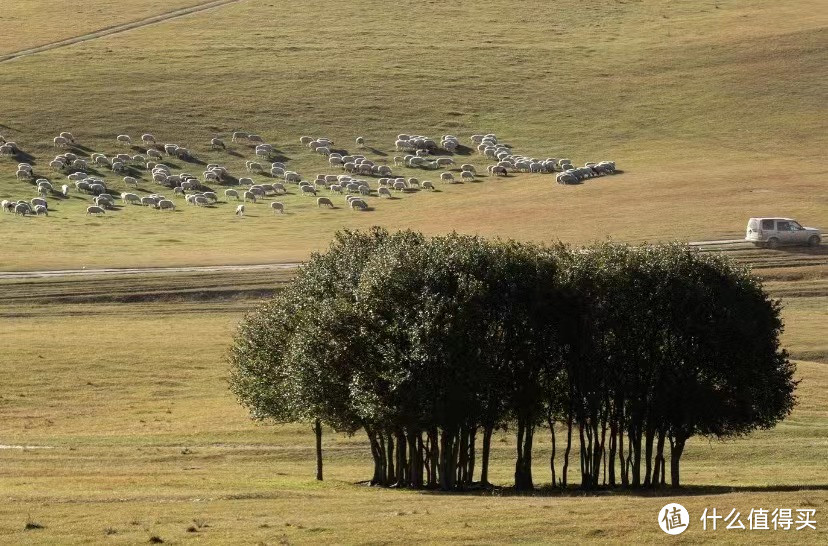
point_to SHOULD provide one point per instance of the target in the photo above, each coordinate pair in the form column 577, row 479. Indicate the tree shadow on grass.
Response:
column 684, row 491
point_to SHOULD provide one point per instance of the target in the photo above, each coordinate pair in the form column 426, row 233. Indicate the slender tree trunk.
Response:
column 648, row 453
column 659, row 460
column 613, row 448
column 434, row 456
column 676, row 449
column 487, row 445
column 622, row 462
column 519, row 460
column 471, row 455
column 317, row 429
column 568, row 447
column 552, row 456
column 635, row 441
column 392, row 476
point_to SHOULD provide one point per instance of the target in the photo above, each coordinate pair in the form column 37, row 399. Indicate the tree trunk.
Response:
column 487, row 445
column 659, row 460
column 552, row 457
column 317, row 429
column 471, row 455
column 676, row 449
column 389, row 465
column 568, row 447
column 648, row 454
column 613, row 447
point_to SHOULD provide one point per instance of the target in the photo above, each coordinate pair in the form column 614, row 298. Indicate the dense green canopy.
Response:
column 425, row 343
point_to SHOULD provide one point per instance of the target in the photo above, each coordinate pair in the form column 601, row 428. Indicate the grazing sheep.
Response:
column 467, row 175
column 23, row 174
column 131, row 198
column 216, row 143
column 245, row 181
column 22, row 208
column 165, row 204
column 201, row 201
column 447, row 177
column 155, row 154
column 382, row 190
column 123, row 140
column 254, row 166
column 211, row 196
column 499, row 171
column 240, row 210
column 149, row 201
column 60, row 142
column 305, row 140
column 324, row 201
column 231, row 193
column 40, row 209
column 238, row 135
column 278, row 206
column 95, row 210
column 147, row 138
column 365, row 190
column 308, row 190
column 7, row 205
column 64, row 189
column 39, row 201
column 254, row 138
column 360, row 141
column 249, row 195
column 427, row 185
column 358, row 204
column 278, row 188
column 42, row 191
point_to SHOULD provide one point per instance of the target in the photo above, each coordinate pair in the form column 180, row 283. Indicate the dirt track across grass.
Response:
column 117, row 29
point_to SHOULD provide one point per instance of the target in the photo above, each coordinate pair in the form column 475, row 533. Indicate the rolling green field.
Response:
column 116, row 423
column 713, row 110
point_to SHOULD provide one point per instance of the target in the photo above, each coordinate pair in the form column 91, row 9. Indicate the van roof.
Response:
column 773, row 218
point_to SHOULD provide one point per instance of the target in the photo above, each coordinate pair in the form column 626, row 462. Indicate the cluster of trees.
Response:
column 430, row 345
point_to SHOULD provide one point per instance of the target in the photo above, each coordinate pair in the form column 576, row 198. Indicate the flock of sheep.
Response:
column 421, row 152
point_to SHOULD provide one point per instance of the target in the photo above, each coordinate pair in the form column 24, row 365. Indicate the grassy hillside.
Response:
column 121, row 383
column 712, row 109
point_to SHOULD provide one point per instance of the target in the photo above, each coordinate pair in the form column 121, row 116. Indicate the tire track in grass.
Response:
column 116, row 29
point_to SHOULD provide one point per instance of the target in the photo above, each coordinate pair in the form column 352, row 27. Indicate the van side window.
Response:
column 767, row 224
column 783, row 225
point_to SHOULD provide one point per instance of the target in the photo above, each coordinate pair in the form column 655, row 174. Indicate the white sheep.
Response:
column 231, row 193
column 240, row 210
column 40, row 209
column 277, row 207
column 165, row 204
column 249, row 195
column 238, row 135
column 324, row 201
column 383, row 191
column 123, row 140
column 94, row 209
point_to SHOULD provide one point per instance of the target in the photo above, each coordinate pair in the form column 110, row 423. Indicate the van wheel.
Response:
column 773, row 242
column 814, row 240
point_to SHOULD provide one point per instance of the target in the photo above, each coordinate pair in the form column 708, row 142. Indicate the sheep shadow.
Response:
column 234, row 153
column 24, row 157
column 377, row 152
column 463, row 150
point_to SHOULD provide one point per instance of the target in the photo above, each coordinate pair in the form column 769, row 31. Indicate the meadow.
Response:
column 116, row 423
column 118, row 389
column 709, row 108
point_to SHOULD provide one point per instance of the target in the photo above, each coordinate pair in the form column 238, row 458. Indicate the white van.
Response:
column 775, row 232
